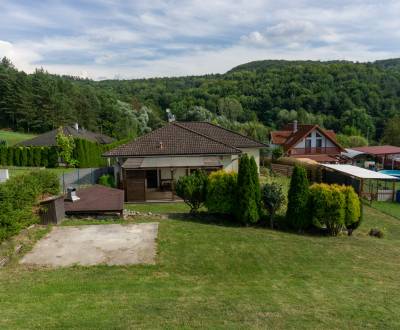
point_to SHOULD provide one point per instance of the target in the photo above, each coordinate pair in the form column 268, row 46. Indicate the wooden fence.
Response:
column 286, row 170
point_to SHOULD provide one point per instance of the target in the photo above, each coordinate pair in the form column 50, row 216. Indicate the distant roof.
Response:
column 288, row 138
column 96, row 199
column 179, row 138
column 49, row 138
column 379, row 150
column 352, row 153
column 359, row 172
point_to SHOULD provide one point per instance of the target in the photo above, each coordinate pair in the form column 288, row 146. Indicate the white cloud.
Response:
column 111, row 38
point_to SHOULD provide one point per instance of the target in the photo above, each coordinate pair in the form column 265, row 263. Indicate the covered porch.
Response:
column 153, row 179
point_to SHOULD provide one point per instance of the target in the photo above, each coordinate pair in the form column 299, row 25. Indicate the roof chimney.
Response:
column 294, row 126
column 76, row 126
column 71, row 195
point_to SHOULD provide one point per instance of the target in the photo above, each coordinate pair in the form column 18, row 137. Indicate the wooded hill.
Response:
column 352, row 98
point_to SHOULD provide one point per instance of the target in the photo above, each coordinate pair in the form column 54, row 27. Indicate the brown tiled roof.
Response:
column 49, row 138
column 173, row 139
column 379, row 150
column 222, row 134
column 96, row 199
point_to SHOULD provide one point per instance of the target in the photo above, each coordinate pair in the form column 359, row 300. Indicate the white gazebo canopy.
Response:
column 359, row 172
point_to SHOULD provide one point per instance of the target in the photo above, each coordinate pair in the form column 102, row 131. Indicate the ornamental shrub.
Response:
column 273, row 199
column 17, row 156
column 328, row 204
column 221, row 192
column 10, row 156
column 24, row 157
column 297, row 214
column 49, row 182
column 37, row 156
column 247, row 208
column 193, row 189
column 107, row 180
column 53, row 157
column 44, row 157
column 353, row 209
column 3, row 155
column 31, row 156
column 256, row 182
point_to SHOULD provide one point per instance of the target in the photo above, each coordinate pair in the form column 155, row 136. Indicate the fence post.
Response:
column 63, row 180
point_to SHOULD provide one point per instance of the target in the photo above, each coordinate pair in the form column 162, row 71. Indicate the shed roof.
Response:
column 379, row 150
column 96, row 199
column 359, row 172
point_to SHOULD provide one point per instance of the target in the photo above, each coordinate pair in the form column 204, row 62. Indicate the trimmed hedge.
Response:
column 29, row 156
column 221, row 192
column 19, row 196
column 335, row 207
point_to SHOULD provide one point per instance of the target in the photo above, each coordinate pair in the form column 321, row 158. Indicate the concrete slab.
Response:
column 113, row 244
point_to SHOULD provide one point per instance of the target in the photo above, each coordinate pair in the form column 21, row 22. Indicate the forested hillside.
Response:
column 351, row 98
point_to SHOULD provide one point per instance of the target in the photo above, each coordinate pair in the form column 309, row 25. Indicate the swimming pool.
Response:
column 395, row 173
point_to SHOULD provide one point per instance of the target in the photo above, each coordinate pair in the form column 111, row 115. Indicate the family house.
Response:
column 307, row 141
column 148, row 167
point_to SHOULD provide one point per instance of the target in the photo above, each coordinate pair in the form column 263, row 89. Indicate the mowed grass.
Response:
column 216, row 277
column 390, row 208
column 15, row 171
column 14, row 137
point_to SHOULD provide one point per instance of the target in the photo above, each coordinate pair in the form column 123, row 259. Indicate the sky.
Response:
column 110, row 39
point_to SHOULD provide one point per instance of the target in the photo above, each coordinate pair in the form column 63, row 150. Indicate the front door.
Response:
column 135, row 185
column 152, row 178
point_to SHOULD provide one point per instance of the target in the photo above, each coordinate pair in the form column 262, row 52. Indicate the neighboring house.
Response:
column 49, row 139
column 386, row 156
column 148, row 167
column 308, row 141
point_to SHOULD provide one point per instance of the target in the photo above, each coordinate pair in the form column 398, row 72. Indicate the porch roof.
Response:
column 168, row 162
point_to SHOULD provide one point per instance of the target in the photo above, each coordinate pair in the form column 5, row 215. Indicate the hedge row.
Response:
column 29, row 156
column 19, row 198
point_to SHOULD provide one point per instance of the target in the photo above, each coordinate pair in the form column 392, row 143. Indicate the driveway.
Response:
column 95, row 244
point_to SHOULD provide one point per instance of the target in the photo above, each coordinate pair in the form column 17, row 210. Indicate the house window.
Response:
column 308, row 144
column 319, row 143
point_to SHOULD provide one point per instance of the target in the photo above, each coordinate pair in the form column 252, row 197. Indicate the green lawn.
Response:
column 14, row 171
column 216, row 277
column 389, row 208
column 14, row 137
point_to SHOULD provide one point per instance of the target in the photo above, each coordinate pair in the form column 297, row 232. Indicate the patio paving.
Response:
column 90, row 245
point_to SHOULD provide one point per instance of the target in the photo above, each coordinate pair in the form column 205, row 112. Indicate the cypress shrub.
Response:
column 24, row 156
column 328, row 206
column 3, row 155
column 297, row 214
column 44, row 157
column 31, row 157
column 353, row 209
column 10, row 156
column 52, row 157
column 256, row 182
column 246, row 210
column 17, row 156
column 221, row 192
column 37, row 156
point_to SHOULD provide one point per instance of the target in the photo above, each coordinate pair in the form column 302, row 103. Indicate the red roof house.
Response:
column 308, row 141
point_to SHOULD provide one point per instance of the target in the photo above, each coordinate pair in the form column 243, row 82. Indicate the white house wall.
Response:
column 325, row 142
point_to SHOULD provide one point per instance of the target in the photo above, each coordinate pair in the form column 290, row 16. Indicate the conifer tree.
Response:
column 246, row 205
column 297, row 215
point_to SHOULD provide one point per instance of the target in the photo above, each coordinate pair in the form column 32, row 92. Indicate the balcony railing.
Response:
column 314, row 151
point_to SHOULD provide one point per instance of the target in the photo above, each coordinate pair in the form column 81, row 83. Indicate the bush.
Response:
column 107, row 180
column 37, row 156
column 53, row 157
column 256, row 182
column 17, row 156
column 193, row 189
column 221, row 192
column 24, row 156
column 31, row 157
column 44, row 157
column 247, row 208
column 297, row 215
column 49, row 182
column 3, row 155
column 277, row 153
column 352, row 209
column 328, row 203
column 273, row 199
column 10, row 156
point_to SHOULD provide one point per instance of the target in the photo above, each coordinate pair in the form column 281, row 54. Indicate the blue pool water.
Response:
column 395, row 173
